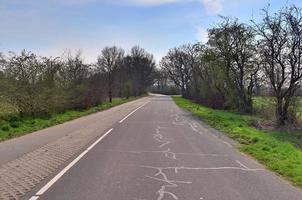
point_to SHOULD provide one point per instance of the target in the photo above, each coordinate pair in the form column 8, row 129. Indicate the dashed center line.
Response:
column 133, row 112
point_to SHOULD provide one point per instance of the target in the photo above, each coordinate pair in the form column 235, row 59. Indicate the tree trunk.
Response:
column 248, row 106
column 197, row 91
column 281, row 112
column 110, row 95
column 183, row 91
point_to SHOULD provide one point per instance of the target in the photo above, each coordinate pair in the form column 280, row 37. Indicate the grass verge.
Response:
column 16, row 126
column 275, row 150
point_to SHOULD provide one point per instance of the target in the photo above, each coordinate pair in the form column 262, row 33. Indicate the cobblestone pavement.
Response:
column 19, row 176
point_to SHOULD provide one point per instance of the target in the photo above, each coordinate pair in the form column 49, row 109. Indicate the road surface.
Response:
column 157, row 151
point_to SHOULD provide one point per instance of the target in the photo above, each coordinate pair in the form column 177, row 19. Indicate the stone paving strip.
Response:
column 19, row 176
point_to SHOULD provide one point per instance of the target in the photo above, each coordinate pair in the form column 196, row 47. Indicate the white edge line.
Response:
column 34, row 198
column 59, row 175
column 133, row 112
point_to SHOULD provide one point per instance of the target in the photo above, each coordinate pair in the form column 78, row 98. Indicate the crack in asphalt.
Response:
column 161, row 174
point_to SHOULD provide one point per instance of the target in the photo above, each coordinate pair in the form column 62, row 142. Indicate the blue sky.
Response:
column 48, row 27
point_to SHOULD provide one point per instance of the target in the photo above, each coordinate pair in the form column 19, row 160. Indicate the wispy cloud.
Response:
column 124, row 2
column 202, row 34
column 152, row 2
column 213, row 6
column 49, row 27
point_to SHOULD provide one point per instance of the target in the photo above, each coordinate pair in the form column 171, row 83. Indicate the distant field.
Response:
column 266, row 106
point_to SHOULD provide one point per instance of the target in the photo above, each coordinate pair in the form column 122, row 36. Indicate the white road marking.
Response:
column 177, row 169
column 242, row 165
column 133, row 112
column 161, row 176
column 164, row 144
column 228, row 144
column 34, row 198
column 167, row 183
column 188, row 154
column 59, row 175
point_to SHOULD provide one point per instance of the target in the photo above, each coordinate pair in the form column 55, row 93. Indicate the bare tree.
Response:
column 280, row 45
column 141, row 67
column 108, row 62
column 176, row 66
column 192, row 60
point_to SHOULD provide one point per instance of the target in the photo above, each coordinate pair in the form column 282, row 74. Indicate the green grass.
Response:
column 278, row 151
column 13, row 126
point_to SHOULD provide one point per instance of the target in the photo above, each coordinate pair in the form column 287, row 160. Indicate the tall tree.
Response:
column 280, row 45
column 175, row 63
column 142, row 69
column 192, row 59
column 235, row 43
column 108, row 62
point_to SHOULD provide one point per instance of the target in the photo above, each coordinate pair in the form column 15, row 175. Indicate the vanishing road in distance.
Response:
column 148, row 149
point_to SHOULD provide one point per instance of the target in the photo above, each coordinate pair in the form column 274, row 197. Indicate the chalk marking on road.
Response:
column 186, row 154
column 178, row 121
column 160, row 138
column 169, row 154
column 59, row 175
column 133, row 112
column 176, row 169
column 164, row 144
column 242, row 165
column 194, row 128
column 228, row 144
column 161, row 176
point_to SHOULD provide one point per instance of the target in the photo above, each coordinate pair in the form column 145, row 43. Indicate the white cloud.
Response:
column 213, row 6
column 124, row 2
column 202, row 34
column 152, row 2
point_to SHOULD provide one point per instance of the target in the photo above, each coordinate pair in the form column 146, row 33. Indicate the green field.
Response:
column 11, row 125
column 278, row 151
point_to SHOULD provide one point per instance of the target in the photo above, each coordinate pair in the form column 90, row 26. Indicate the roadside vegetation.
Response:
column 278, row 151
column 37, row 92
column 264, row 107
column 246, row 81
column 241, row 62
column 12, row 125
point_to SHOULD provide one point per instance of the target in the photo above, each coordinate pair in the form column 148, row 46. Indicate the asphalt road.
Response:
column 161, row 152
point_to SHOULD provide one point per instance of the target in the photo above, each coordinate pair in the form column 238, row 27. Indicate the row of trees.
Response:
column 41, row 86
column 240, row 58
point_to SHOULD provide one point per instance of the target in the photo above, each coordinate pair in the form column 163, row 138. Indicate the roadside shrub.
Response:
column 14, row 118
column 15, row 124
column 10, row 135
column 5, row 127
